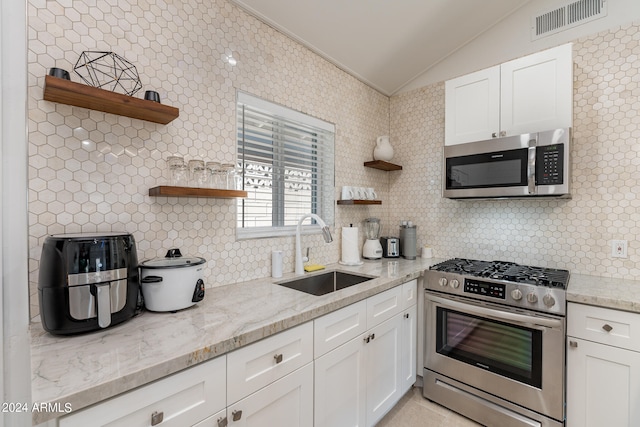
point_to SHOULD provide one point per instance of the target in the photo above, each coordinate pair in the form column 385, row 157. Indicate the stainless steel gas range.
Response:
column 495, row 341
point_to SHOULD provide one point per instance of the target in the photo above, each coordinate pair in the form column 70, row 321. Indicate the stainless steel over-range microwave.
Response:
column 527, row 165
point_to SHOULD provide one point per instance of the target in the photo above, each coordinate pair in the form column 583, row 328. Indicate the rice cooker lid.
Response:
column 173, row 259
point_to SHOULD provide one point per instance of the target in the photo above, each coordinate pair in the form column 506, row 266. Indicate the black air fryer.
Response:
column 87, row 282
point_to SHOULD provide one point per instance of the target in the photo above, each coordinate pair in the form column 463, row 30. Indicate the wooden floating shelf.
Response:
column 382, row 165
column 169, row 191
column 359, row 202
column 79, row 95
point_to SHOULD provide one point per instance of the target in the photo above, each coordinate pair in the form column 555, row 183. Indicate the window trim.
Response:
column 245, row 233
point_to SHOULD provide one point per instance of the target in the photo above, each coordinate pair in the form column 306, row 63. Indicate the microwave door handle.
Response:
column 531, row 168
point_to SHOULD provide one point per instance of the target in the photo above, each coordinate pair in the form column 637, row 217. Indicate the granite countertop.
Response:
column 85, row 369
column 619, row 294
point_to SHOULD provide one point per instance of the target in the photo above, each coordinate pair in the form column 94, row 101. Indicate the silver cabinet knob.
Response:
column 607, row 327
column 548, row 300
column 532, row 298
column 516, row 294
column 503, row 133
column 454, row 283
column 236, row 415
column 494, row 135
column 573, row 344
column 157, row 418
column 222, row 422
column 442, row 281
column 277, row 358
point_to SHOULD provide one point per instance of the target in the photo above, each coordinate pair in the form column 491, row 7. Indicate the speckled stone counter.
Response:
column 605, row 292
column 85, row 369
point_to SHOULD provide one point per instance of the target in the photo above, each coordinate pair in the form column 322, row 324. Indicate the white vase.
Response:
column 383, row 150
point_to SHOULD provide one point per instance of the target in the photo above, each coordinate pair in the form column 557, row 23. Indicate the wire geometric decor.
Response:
column 107, row 70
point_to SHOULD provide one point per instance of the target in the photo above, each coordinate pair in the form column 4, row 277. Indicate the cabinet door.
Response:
column 287, row 402
column 537, row 92
column 409, row 347
column 603, row 385
column 383, row 352
column 340, row 387
column 472, row 107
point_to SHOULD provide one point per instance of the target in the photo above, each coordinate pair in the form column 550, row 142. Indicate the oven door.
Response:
column 515, row 355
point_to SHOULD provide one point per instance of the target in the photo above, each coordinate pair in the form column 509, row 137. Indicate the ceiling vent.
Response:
column 567, row 16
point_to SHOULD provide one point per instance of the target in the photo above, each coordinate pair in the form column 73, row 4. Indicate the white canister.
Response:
column 276, row 264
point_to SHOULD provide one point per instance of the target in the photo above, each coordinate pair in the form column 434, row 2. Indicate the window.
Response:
column 286, row 159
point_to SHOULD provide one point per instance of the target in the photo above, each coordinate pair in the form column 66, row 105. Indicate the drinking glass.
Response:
column 197, row 174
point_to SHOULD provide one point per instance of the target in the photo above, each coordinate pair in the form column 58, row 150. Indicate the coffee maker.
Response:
column 87, row 282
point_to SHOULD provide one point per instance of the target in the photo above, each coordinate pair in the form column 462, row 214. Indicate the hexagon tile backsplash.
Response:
column 573, row 234
column 91, row 171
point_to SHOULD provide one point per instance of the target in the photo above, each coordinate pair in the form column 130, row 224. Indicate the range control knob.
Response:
column 548, row 300
column 532, row 297
column 454, row 283
column 442, row 281
column 516, row 294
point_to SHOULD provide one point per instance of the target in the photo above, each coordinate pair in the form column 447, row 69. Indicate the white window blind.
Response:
column 287, row 163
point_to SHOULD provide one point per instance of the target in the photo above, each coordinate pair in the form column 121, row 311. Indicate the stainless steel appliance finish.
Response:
column 528, row 165
column 494, row 341
column 390, row 247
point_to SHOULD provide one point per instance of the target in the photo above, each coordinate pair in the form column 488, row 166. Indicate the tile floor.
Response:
column 413, row 410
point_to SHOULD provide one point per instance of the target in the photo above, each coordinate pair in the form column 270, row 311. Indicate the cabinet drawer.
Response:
column 257, row 365
column 183, row 399
column 384, row 306
column 337, row 328
column 604, row 325
column 410, row 293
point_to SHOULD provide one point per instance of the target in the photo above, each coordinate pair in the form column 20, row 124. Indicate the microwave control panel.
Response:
column 549, row 164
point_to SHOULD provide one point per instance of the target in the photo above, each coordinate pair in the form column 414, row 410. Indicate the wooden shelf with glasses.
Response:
column 170, row 191
column 359, row 202
column 382, row 165
column 93, row 98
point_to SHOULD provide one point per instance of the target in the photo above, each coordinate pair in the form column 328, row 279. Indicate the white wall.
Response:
column 15, row 355
column 511, row 39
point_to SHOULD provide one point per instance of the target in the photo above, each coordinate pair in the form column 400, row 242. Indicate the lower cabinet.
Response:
column 358, row 382
column 603, row 367
column 182, row 399
column 363, row 362
column 287, row 402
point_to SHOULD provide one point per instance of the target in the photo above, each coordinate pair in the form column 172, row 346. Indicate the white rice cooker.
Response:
column 172, row 283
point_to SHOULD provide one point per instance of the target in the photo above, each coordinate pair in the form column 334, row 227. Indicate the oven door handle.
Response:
column 497, row 315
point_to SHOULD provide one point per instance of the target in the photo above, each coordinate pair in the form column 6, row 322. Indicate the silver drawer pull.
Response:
column 236, row 415
column 278, row 358
column 156, row 418
column 222, row 422
column 573, row 344
column 607, row 327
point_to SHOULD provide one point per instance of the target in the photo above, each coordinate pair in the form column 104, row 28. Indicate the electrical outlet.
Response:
column 619, row 248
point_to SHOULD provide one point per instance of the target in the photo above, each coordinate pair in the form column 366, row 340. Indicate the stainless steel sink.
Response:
column 325, row 283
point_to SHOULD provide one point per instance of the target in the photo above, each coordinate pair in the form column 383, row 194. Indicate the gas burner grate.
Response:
column 505, row 270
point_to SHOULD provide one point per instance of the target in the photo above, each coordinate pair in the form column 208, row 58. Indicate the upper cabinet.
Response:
column 526, row 95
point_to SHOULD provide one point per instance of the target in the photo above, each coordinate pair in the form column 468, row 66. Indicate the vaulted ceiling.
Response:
column 384, row 43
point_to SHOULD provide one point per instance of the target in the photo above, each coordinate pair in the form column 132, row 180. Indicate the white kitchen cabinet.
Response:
column 384, row 368
column 287, row 402
column 409, row 348
column 259, row 364
column 359, row 381
column 338, row 327
column 526, row 95
column 603, row 367
column 182, row 399
column 341, row 386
